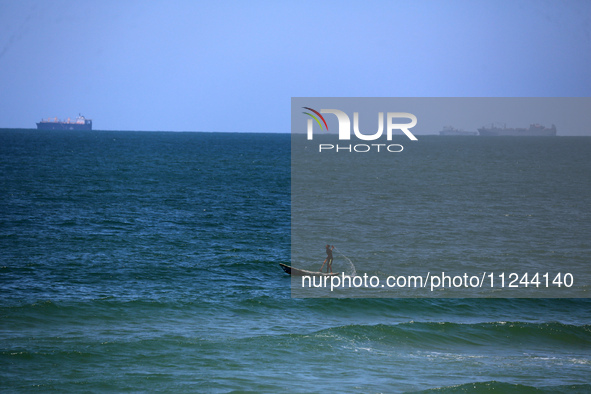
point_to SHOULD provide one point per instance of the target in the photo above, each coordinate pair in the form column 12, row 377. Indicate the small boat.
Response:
column 298, row 272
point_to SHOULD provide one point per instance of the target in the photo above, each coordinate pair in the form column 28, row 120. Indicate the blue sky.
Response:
column 234, row 65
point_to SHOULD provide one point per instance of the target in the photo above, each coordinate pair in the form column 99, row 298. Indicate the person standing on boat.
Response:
column 328, row 258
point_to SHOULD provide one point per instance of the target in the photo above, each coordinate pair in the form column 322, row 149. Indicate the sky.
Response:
column 234, row 66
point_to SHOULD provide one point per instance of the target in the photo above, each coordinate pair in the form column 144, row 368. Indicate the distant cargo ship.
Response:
column 81, row 123
column 448, row 130
column 534, row 130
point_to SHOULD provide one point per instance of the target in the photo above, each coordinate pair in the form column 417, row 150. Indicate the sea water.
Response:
column 148, row 261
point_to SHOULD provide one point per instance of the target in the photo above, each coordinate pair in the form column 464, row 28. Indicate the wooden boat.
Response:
column 299, row 272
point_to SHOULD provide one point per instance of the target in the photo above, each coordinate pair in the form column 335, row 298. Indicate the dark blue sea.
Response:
column 148, row 262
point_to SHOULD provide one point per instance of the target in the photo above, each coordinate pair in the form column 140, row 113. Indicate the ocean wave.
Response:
column 445, row 334
column 494, row 386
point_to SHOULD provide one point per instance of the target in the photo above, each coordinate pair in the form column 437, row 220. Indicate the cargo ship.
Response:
column 80, row 123
column 534, row 130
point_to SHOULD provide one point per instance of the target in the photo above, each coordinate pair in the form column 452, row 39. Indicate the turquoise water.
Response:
column 135, row 261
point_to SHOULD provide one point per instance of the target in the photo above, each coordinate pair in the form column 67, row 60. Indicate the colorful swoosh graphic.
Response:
column 315, row 118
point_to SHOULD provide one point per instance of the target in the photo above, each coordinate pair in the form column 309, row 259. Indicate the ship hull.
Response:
column 464, row 133
column 531, row 132
column 64, row 126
